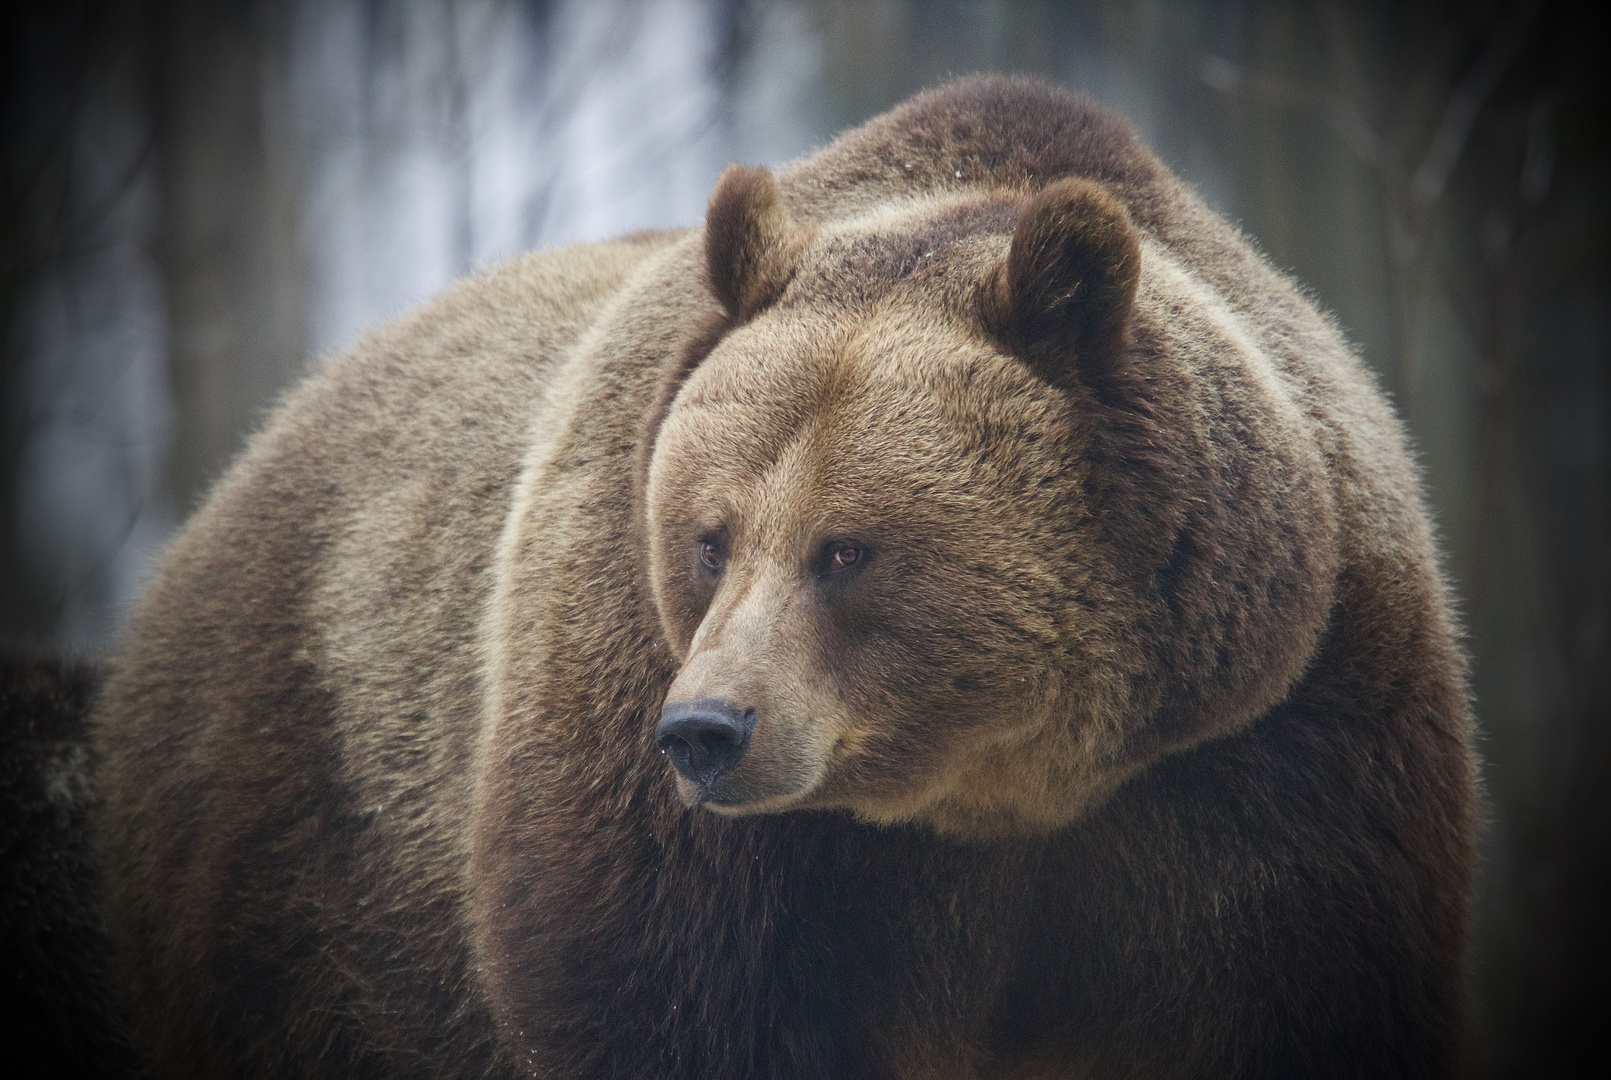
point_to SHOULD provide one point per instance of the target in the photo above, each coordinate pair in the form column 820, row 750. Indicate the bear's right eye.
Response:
column 710, row 555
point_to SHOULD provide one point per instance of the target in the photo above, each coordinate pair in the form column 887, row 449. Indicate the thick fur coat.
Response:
column 1099, row 710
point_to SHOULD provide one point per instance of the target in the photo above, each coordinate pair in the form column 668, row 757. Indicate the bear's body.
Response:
column 1045, row 573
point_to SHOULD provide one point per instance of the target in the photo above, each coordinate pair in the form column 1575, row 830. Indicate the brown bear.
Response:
column 960, row 614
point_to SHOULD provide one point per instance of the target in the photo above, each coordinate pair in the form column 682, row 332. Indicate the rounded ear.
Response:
column 751, row 246
column 1062, row 298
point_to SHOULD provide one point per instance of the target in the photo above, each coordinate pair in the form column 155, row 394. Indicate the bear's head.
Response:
column 941, row 518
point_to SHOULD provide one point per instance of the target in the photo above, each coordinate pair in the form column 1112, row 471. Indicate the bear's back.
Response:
column 298, row 697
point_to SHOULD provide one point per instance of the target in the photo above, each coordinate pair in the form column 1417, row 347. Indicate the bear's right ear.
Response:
column 1062, row 298
column 751, row 246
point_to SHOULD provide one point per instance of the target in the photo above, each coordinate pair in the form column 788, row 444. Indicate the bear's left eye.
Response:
column 842, row 555
column 710, row 555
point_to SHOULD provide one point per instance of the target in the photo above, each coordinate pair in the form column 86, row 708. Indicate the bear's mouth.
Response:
column 739, row 796
column 776, row 804
column 755, row 787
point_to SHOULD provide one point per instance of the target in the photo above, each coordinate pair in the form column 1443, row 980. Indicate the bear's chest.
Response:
column 823, row 949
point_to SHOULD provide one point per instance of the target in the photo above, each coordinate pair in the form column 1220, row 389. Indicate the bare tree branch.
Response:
column 1465, row 104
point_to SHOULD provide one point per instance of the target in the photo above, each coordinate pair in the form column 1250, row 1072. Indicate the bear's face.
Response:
column 862, row 539
column 950, row 526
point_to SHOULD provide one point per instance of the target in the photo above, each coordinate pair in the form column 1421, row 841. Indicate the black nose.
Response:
column 704, row 739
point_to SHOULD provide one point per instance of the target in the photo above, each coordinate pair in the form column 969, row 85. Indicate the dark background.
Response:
column 200, row 200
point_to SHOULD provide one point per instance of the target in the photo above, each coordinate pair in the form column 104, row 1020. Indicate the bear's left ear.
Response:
column 751, row 246
column 1062, row 298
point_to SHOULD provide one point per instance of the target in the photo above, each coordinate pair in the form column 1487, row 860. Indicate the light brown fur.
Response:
column 1136, row 746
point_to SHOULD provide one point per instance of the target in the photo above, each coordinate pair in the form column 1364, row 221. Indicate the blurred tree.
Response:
column 228, row 242
column 84, row 406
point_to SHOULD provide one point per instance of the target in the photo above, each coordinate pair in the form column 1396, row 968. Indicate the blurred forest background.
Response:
column 201, row 200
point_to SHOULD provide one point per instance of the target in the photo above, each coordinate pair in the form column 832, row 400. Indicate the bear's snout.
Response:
column 705, row 739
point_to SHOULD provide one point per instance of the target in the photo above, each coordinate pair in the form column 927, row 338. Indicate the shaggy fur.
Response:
column 1136, row 743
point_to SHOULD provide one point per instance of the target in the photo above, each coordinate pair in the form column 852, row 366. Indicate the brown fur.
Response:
column 1136, row 746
